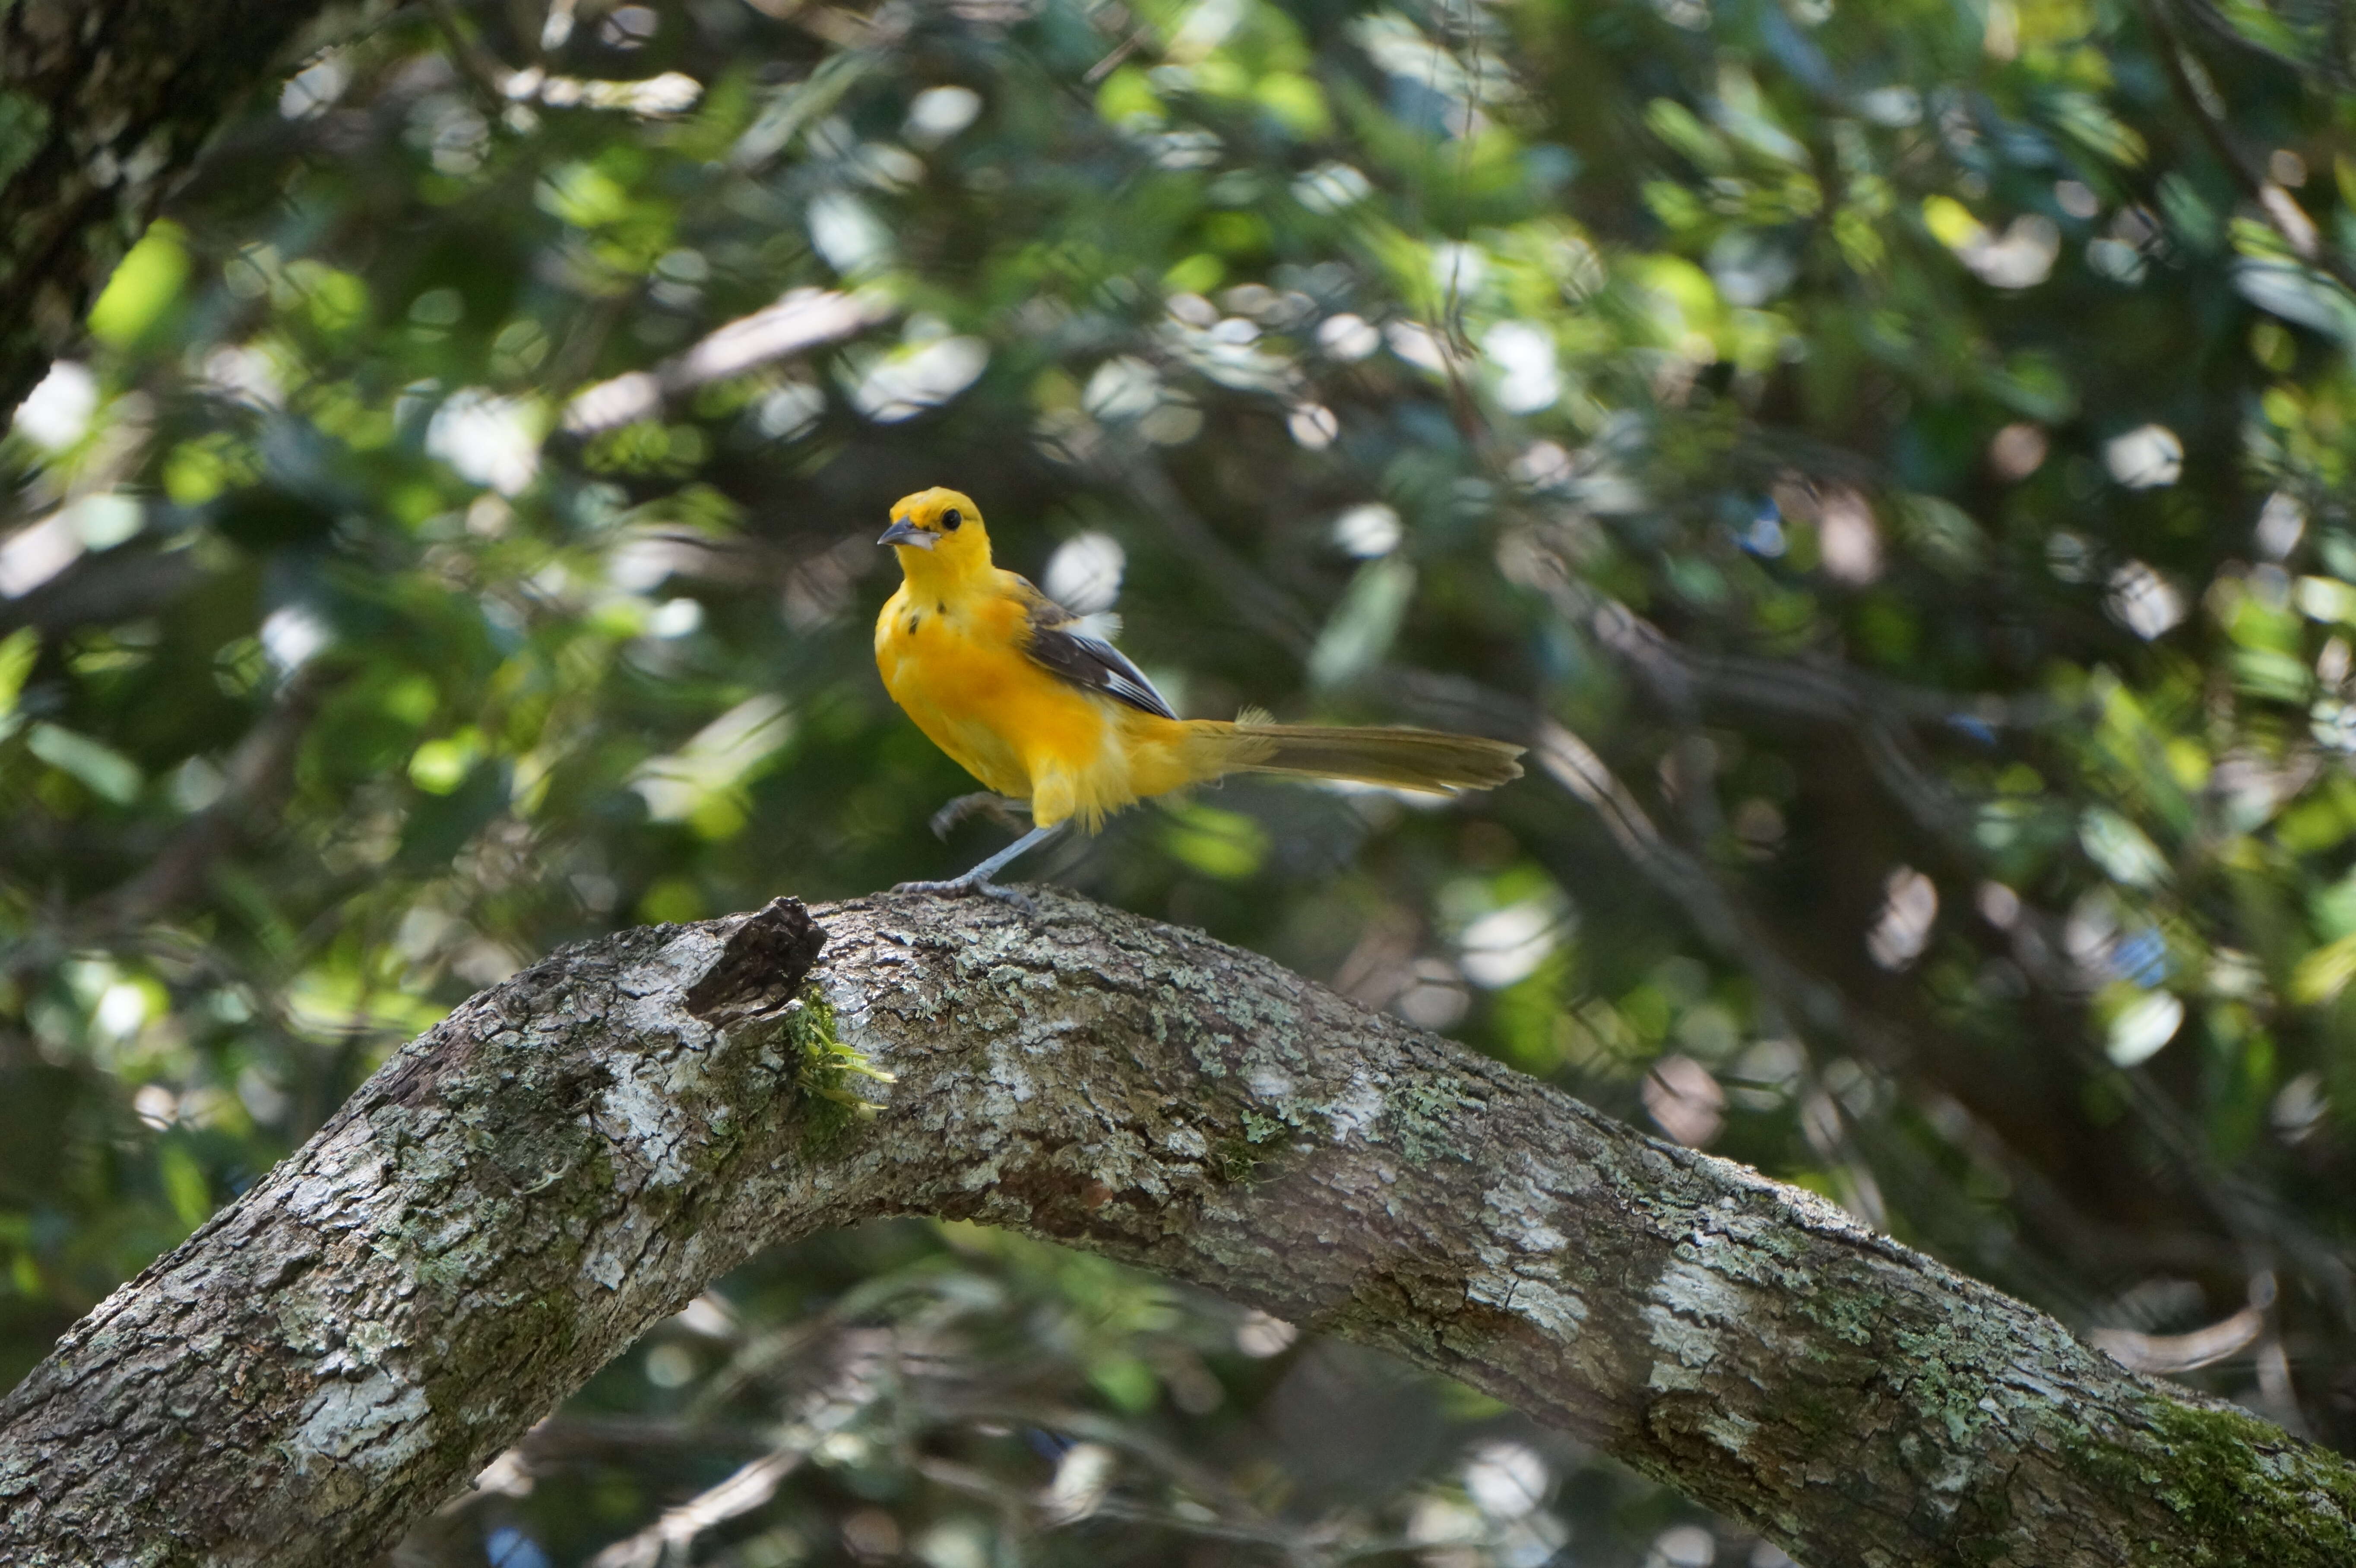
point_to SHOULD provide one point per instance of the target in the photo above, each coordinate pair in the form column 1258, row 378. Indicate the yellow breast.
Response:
column 958, row 669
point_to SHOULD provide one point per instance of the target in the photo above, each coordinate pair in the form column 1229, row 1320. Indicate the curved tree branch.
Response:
column 572, row 1154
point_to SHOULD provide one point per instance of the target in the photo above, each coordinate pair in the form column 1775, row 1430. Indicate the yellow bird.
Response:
column 1013, row 687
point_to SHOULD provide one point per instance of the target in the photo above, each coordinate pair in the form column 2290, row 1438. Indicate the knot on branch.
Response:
column 762, row 965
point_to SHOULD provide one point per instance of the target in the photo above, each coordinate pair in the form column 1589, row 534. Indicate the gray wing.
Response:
column 1058, row 647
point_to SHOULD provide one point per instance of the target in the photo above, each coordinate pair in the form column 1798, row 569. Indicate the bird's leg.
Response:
column 977, row 880
column 1002, row 809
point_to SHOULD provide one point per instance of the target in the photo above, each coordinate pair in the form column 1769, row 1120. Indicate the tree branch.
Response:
column 572, row 1154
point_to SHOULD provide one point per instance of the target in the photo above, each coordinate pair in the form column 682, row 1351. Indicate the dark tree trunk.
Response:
column 103, row 105
column 573, row 1155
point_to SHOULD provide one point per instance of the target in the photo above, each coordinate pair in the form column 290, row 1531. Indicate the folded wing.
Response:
column 1059, row 644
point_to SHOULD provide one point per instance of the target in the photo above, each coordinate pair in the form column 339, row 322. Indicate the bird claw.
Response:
column 961, row 887
column 998, row 808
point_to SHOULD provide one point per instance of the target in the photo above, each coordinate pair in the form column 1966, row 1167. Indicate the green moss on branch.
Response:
column 828, row 1073
column 2246, row 1493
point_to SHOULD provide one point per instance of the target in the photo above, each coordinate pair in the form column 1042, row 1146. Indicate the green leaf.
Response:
column 185, row 1187
column 143, row 286
column 2084, row 120
column 1364, row 625
column 108, row 773
column 2300, row 295
column 2324, row 973
column 1127, row 1381
column 1943, row 533
column 1226, row 845
column 2121, row 848
column 18, row 651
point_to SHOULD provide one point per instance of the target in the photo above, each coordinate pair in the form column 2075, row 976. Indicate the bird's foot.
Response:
column 999, row 808
column 977, row 880
column 972, row 885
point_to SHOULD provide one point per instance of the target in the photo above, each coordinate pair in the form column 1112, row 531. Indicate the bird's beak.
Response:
column 903, row 531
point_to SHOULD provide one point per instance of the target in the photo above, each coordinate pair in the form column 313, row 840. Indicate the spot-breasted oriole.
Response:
column 1014, row 689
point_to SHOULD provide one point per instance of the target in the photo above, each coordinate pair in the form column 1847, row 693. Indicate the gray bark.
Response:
column 573, row 1155
column 103, row 105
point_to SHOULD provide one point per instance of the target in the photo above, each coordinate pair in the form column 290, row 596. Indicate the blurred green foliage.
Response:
column 1890, row 462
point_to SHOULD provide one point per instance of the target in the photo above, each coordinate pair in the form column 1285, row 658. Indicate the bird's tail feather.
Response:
column 1403, row 759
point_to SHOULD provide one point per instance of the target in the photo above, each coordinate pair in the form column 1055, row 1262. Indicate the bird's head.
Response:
column 938, row 533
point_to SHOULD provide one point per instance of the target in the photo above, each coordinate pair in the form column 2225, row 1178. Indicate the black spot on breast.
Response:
column 942, row 608
column 911, row 623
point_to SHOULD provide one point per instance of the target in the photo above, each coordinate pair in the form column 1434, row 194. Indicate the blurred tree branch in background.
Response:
column 574, row 1155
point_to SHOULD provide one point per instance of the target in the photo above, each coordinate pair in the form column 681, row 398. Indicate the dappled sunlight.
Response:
column 1891, row 470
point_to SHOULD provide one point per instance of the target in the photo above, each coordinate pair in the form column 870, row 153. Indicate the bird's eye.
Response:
column 951, row 519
